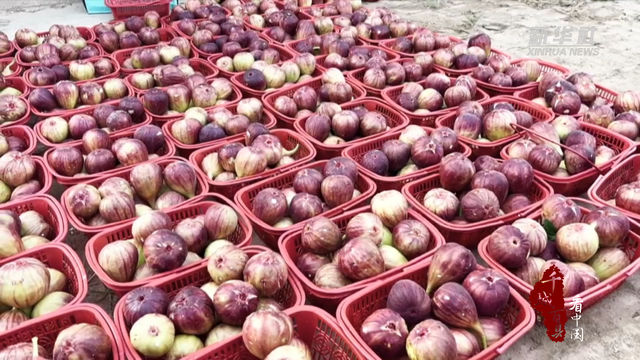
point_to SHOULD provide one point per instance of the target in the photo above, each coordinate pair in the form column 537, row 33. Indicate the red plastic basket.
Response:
column 546, row 67
column 391, row 56
column 36, row 63
column 291, row 45
column 395, row 122
column 16, row 69
column 492, row 148
column 285, row 55
column 42, row 175
column 356, row 152
column 120, row 56
column 456, row 72
column 47, row 328
column 62, row 258
column 287, row 122
column 23, row 133
column 114, row 74
column 592, row 295
column 185, row 150
column 358, row 76
column 49, row 208
column 290, row 296
column 23, row 120
column 78, row 110
column 387, row 43
column 391, row 94
column 269, row 234
column 168, row 151
column 577, row 184
column 85, row 32
column 241, row 237
column 319, row 330
column 517, row 316
column 299, row 14
column 289, row 140
column 9, row 54
column 20, row 84
column 469, row 235
column 604, row 189
column 123, row 9
column 44, row 141
column 602, row 92
column 233, row 99
column 173, row 26
column 290, row 246
column 124, row 173
column 198, row 65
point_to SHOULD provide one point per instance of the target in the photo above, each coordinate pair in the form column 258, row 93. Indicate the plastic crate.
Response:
column 123, row 9
column 233, row 99
column 469, row 235
column 19, row 83
column 49, row 209
column 285, row 55
column 287, row 122
column 166, row 35
column 85, row 32
column 114, row 74
column 289, row 140
column 62, row 258
column 355, row 152
column 604, row 189
column 185, row 150
column 492, row 148
column 23, row 133
column 592, row 295
column 78, row 109
column 395, row 122
column 575, row 185
column 36, row 63
column 517, row 316
column 290, row 246
column 42, row 175
column 269, row 234
column 319, row 330
column 602, row 92
column 198, row 65
column 358, row 76
column 44, row 141
column 124, row 173
column 13, row 65
column 546, row 67
column 241, row 237
column 47, row 328
column 290, row 296
column 391, row 94
column 168, row 151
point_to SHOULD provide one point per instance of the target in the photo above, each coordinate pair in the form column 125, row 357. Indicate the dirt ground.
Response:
column 612, row 327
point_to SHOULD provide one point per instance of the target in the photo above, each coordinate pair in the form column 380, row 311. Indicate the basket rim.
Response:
column 203, row 62
column 595, row 292
column 78, row 224
column 26, row 133
column 594, row 190
column 512, row 89
column 499, row 347
column 92, row 255
column 193, row 159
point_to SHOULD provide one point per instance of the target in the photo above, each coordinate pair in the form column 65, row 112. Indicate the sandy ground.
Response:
column 612, row 327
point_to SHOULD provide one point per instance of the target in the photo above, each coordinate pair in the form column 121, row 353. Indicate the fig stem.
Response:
column 291, row 152
column 478, row 328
